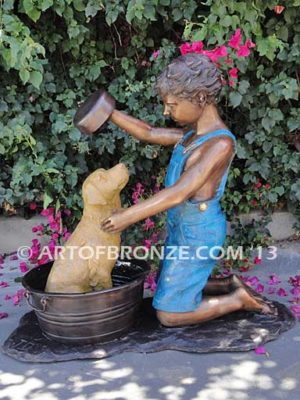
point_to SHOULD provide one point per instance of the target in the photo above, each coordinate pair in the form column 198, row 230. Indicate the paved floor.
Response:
column 167, row 375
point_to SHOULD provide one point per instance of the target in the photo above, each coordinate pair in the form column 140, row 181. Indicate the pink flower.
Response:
column 147, row 243
column 271, row 290
column 295, row 291
column 67, row 235
column 149, row 224
column 260, row 350
column 249, row 44
column 13, row 258
column 258, row 184
column 252, row 280
column 235, row 39
column 233, row 73
column 260, row 288
column 55, row 236
column 216, row 53
column 296, row 310
column 23, row 267
column 185, row 48
column 43, row 260
column 54, row 226
column 155, row 54
column 154, row 237
column 140, row 188
column 257, row 260
column 274, row 280
column 231, row 83
column 150, row 282
column 197, row 47
column 4, row 284
column 38, row 228
column 18, row 296
column 7, row 297
column 281, row 292
column 47, row 211
column 278, row 9
column 294, row 280
column 243, row 51
column 3, row 315
column 32, row 206
column 294, row 300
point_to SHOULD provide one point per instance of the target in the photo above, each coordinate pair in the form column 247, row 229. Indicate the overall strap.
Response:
column 202, row 139
column 186, row 136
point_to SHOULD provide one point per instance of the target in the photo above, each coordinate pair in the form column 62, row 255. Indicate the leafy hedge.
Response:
column 53, row 53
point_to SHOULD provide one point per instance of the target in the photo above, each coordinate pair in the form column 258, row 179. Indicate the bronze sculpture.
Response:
column 85, row 263
column 195, row 182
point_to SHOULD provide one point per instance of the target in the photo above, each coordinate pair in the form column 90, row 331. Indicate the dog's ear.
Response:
column 93, row 196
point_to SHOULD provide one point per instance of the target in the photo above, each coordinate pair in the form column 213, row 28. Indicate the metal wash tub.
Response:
column 88, row 317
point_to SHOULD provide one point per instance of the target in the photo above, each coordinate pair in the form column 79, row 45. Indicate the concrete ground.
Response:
column 167, row 375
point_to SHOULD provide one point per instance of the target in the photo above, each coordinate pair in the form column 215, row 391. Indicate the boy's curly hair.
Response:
column 193, row 77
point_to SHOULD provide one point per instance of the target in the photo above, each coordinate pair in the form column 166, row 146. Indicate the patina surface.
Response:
column 239, row 331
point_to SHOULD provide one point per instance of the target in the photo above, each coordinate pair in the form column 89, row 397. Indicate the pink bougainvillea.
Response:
column 149, row 224
column 296, row 310
column 235, row 39
column 223, row 55
column 23, row 267
column 261, row 350
column 233, row 73
column 18, row 296
column 150, row 281
column 274, row 280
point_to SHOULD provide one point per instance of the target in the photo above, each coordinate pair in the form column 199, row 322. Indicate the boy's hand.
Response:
column 117, row 222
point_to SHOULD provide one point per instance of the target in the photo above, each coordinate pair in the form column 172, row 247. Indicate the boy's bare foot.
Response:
column 250, row 303
column 238, row 283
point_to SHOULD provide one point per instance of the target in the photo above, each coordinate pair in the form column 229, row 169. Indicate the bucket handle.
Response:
column 43, row 302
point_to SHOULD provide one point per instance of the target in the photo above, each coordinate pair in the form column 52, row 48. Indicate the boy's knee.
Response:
column 167, row 319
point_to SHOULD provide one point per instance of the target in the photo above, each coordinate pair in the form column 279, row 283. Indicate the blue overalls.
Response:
column 194, row 228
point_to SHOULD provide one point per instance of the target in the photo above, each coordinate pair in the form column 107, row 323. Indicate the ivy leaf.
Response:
column 45, row 4
column 79, row 5
column 92, row 8
column 267, row 46
column 74, row 134
column 267, row 146
column 36, row 78
column 24, row 75
column 243, row 86
column 235, row 99
column 47, row 199
column 177, row 14
column 226, row 21
column 280, row 190
column 30, row 10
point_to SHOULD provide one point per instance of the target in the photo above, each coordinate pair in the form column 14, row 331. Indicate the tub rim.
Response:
column 92, row 293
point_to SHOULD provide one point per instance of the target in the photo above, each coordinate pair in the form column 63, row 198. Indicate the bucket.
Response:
column 87, row 317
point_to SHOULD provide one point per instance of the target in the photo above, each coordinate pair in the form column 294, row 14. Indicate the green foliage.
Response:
column 53, row 53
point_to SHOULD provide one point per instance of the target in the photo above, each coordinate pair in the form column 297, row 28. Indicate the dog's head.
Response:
column 102, row 185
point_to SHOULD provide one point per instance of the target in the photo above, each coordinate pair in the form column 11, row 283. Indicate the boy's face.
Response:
column 180, row 110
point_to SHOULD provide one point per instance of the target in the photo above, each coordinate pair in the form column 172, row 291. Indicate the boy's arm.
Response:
column 217, row 156
column 145, row 132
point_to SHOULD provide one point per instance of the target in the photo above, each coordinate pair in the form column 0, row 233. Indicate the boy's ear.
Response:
column 92, row 195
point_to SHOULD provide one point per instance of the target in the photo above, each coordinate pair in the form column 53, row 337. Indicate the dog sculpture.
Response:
column 84, row 263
